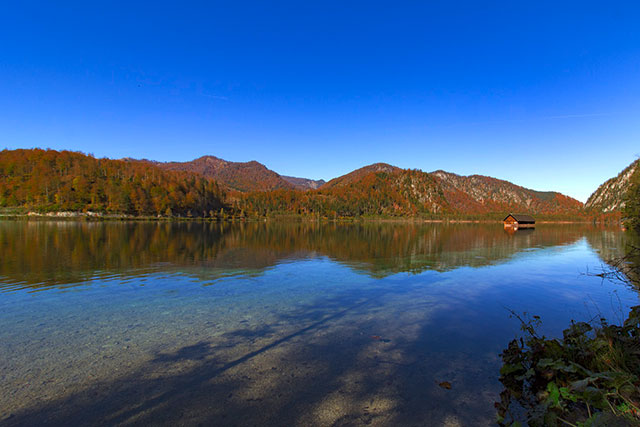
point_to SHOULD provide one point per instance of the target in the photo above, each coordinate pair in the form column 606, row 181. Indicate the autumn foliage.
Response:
column 400, row 193
column 48, row 180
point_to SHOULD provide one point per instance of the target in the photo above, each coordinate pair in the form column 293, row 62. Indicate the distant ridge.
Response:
column 239, row 176
column 304, row 183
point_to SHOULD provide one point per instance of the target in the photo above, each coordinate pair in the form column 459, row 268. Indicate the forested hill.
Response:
column 381, row 192
column 359, row 174
column 48, row 180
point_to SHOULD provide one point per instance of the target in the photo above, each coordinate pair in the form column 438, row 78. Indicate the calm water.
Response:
column 280, row 324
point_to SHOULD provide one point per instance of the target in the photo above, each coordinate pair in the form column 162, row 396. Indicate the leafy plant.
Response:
column 590, row 377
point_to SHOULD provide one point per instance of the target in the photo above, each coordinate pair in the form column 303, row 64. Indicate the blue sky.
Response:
column 544, row 94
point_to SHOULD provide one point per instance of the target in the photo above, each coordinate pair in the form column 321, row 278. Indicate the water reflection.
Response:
column 38, row 255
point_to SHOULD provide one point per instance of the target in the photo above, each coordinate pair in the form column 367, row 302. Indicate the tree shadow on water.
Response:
column 342, row 361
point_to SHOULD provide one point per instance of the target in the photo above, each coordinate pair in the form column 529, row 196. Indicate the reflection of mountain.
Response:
column 41, row 254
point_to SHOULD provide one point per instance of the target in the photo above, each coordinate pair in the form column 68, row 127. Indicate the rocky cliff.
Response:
column 483, row 194
column 610, row 196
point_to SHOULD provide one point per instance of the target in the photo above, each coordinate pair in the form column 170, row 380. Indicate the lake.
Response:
column 281, row 323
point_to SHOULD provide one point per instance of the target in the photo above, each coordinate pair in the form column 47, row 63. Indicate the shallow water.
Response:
column 280, row 323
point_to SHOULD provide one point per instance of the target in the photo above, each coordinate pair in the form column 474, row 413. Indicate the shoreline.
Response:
column 97, row 216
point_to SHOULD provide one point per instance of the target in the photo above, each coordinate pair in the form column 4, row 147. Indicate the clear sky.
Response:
column 543, row 94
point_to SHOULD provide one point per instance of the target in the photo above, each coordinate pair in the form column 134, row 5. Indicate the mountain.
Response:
column 388, row 190
column 383, row 189
column 240, row 176
column 358, row 174
column 370, row 191
column 304, row 183
column 483, row 194
column 610, row 196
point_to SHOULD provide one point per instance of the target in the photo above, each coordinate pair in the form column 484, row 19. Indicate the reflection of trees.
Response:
column 621, row 252
column 39, row 254
column 611, row 243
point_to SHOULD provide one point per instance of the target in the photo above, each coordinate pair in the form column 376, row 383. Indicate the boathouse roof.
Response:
column 521, row 219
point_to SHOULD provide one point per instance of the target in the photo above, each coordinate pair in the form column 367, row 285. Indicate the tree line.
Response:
column 49, row 180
